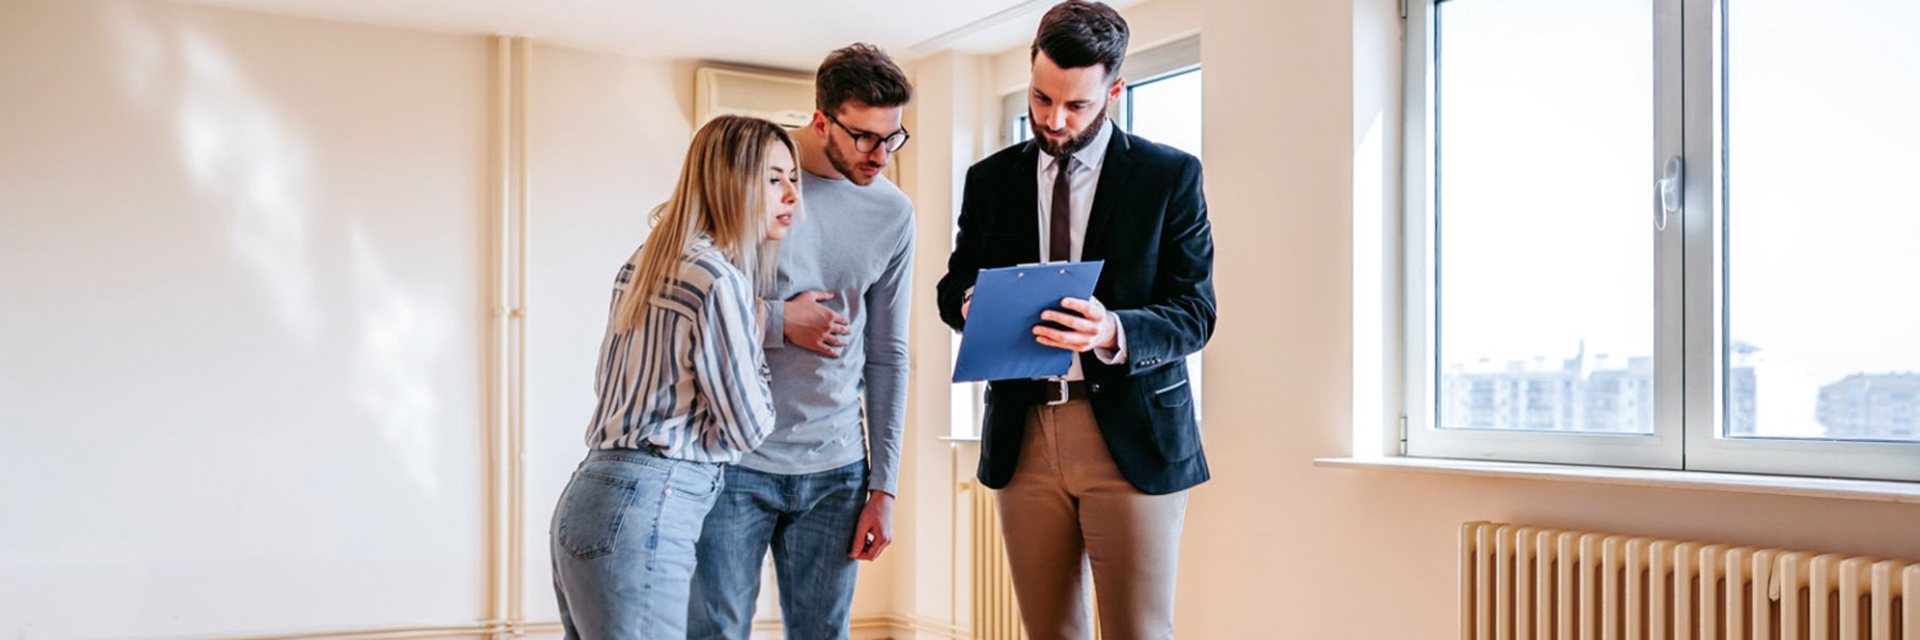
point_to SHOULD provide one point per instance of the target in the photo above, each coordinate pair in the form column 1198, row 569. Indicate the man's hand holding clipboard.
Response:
column 1089, row 327
column 1008, row 334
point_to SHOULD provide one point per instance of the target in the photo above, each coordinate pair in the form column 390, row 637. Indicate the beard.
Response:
column 1075, row 141
column 849, row 167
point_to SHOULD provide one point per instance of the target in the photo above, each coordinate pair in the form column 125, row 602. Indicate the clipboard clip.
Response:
column 1063, row 267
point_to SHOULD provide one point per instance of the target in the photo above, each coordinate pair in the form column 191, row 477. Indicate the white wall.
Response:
column 1275, row 547
column 273, row 234
column 240, row 322
column 244, row 326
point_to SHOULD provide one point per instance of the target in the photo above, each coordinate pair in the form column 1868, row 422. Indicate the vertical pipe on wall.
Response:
column 501, row 127
column 507, row 357
column 517, row 441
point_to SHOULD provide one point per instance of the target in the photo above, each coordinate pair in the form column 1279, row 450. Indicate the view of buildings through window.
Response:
column 1546, row 239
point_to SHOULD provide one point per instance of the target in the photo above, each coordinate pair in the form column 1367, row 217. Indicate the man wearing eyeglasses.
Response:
column 819, row 493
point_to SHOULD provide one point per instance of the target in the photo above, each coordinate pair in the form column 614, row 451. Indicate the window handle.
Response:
column 1671, row 179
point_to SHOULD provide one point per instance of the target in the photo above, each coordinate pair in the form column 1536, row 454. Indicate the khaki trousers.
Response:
column 1067, row 510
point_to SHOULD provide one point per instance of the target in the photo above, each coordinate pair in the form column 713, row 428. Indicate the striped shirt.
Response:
column 690, row 382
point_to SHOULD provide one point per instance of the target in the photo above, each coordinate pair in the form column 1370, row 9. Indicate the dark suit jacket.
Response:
column 1149, row 222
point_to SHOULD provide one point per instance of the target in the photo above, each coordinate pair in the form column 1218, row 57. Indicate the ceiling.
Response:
column 792, row 34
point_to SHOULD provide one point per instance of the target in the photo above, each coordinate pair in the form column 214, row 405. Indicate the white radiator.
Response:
column 1519, row 582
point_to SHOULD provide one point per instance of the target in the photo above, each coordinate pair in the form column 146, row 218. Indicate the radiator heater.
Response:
column 996, row 616
column 1522, row 583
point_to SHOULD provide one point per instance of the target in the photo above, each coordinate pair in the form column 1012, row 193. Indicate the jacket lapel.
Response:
column 1025, row 209
column 1114, row 171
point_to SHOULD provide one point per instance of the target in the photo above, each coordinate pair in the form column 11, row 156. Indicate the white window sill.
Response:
column 1835, row 488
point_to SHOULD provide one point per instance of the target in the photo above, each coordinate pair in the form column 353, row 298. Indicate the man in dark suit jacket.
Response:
column 1093, row 466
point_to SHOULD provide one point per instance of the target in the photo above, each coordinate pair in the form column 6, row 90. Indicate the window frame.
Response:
column 1176, row 58
column 1706, row 204
column 1689, row 329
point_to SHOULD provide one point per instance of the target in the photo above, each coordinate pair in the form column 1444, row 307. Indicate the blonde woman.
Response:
column 682, row 387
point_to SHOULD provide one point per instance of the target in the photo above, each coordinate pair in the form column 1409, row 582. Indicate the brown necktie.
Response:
column 1060, row 227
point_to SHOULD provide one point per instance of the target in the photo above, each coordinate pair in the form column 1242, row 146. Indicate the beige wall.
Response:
column 1277, row 548
column 291, row 220
column 241, row 322
column 243, row 359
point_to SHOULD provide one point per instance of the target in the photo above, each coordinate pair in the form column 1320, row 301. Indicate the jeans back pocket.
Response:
column 592, row 508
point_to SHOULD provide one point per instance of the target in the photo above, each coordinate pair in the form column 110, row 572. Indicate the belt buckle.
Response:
column 1060, row 393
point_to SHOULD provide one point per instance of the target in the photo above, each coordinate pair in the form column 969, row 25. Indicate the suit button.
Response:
column 1096, row 387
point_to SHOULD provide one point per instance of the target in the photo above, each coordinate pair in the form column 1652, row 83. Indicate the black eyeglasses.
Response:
column 865, row 142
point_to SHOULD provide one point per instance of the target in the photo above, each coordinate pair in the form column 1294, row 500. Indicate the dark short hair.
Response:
column 1079, row 33
column 861, row 72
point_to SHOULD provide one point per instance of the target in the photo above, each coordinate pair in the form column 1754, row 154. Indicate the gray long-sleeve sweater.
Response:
column 856, row 242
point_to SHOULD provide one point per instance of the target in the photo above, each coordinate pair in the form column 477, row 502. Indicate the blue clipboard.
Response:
column 998, row 342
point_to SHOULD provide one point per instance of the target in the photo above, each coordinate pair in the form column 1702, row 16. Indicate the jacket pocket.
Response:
column 1170, row 410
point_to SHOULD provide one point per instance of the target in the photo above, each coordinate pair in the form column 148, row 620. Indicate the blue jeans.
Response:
column 623, row 544
column 808, row 521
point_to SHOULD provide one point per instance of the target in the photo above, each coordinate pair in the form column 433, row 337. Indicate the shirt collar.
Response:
column 1090, row 156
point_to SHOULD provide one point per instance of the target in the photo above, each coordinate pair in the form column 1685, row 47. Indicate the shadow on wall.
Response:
column 259, row 178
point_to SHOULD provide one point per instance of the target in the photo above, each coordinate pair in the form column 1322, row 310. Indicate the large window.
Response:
column 1665, row 233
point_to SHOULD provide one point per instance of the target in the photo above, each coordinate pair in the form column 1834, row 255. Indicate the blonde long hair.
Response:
column 722, row 194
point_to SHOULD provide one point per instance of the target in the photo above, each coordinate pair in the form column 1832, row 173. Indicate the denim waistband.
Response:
column 648, row 456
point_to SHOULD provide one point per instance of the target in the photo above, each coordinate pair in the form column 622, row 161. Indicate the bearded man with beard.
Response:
column 1092, row 468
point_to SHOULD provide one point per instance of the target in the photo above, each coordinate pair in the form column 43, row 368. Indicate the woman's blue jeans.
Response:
column 623, row 544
